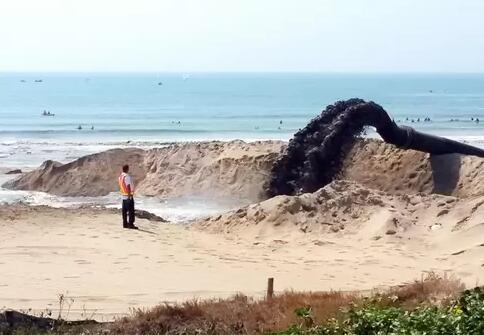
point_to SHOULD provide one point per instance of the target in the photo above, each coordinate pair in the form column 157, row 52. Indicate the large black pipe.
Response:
column 314, row 156
column 408, row 138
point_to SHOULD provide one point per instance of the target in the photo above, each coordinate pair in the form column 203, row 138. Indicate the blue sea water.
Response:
column 174, row 107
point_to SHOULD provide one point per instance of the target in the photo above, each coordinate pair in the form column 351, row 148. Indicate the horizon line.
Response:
column 235, row 72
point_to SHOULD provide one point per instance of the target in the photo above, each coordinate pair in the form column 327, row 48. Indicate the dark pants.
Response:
column 128, row 212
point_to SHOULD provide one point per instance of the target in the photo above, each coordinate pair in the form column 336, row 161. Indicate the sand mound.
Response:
column 217, row 169
column 210, row 168
column 345, row 227
column 92, row 175
column 382, row 166
column 347, row 208
column 239, row 169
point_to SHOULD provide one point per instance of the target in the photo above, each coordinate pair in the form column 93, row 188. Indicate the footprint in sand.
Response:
column 82, row 261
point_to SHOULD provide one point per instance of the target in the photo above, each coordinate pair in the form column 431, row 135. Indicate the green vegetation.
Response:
column 464, row 316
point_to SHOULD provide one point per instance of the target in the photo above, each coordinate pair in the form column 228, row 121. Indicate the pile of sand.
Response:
column 218, row 169
column 382, row 166
column 92, row 175
column 215, row 169
column 239, row 169
column 346, row 207
column 381, row 191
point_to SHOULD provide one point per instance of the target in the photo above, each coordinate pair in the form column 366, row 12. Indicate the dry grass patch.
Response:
column 237, row 315
column 431, row 289
column 243, row 315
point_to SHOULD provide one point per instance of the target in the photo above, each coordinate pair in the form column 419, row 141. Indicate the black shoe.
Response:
column 132, row 227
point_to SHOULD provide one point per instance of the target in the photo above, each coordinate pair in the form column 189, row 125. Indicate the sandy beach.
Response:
column 357, row 233
column 105, row 270
column 86, row 255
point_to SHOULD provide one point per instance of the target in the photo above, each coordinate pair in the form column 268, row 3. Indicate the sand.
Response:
column 239, row 169
column 106, row 270
column 389, row 217
column 219, row 169
column 384, row 167
column 356, row 226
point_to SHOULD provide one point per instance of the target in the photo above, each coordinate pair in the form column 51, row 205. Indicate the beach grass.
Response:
column 289, row 312
column 431, row 305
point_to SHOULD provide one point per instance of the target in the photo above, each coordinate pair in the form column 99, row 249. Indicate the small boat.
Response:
column 160, row 83
column 47, row 113
column 38, row 80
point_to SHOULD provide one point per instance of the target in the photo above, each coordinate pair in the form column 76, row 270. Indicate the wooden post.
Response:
column 270, row 288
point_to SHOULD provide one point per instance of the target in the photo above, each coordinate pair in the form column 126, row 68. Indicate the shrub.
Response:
column 465, row 316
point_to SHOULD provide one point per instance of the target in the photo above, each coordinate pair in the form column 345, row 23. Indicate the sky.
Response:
column 242, row 35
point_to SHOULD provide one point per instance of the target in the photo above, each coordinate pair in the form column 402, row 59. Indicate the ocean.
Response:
column 152, row 109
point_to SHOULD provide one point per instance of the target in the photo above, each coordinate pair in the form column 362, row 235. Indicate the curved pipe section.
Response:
column 315, row 153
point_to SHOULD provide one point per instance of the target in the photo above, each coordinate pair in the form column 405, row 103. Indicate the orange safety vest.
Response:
column 123, row 188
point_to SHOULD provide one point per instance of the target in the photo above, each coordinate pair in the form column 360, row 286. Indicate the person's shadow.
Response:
column 445, row 172
column 145, row 231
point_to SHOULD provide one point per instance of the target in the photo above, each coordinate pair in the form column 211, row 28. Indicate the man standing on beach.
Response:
column 127, row 191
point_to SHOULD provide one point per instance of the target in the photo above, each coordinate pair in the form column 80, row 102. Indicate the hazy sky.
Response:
column 242, row 35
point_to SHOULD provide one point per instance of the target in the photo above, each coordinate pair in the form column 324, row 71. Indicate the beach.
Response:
column 359, row 232
column 202, row 150
column 103, row 271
